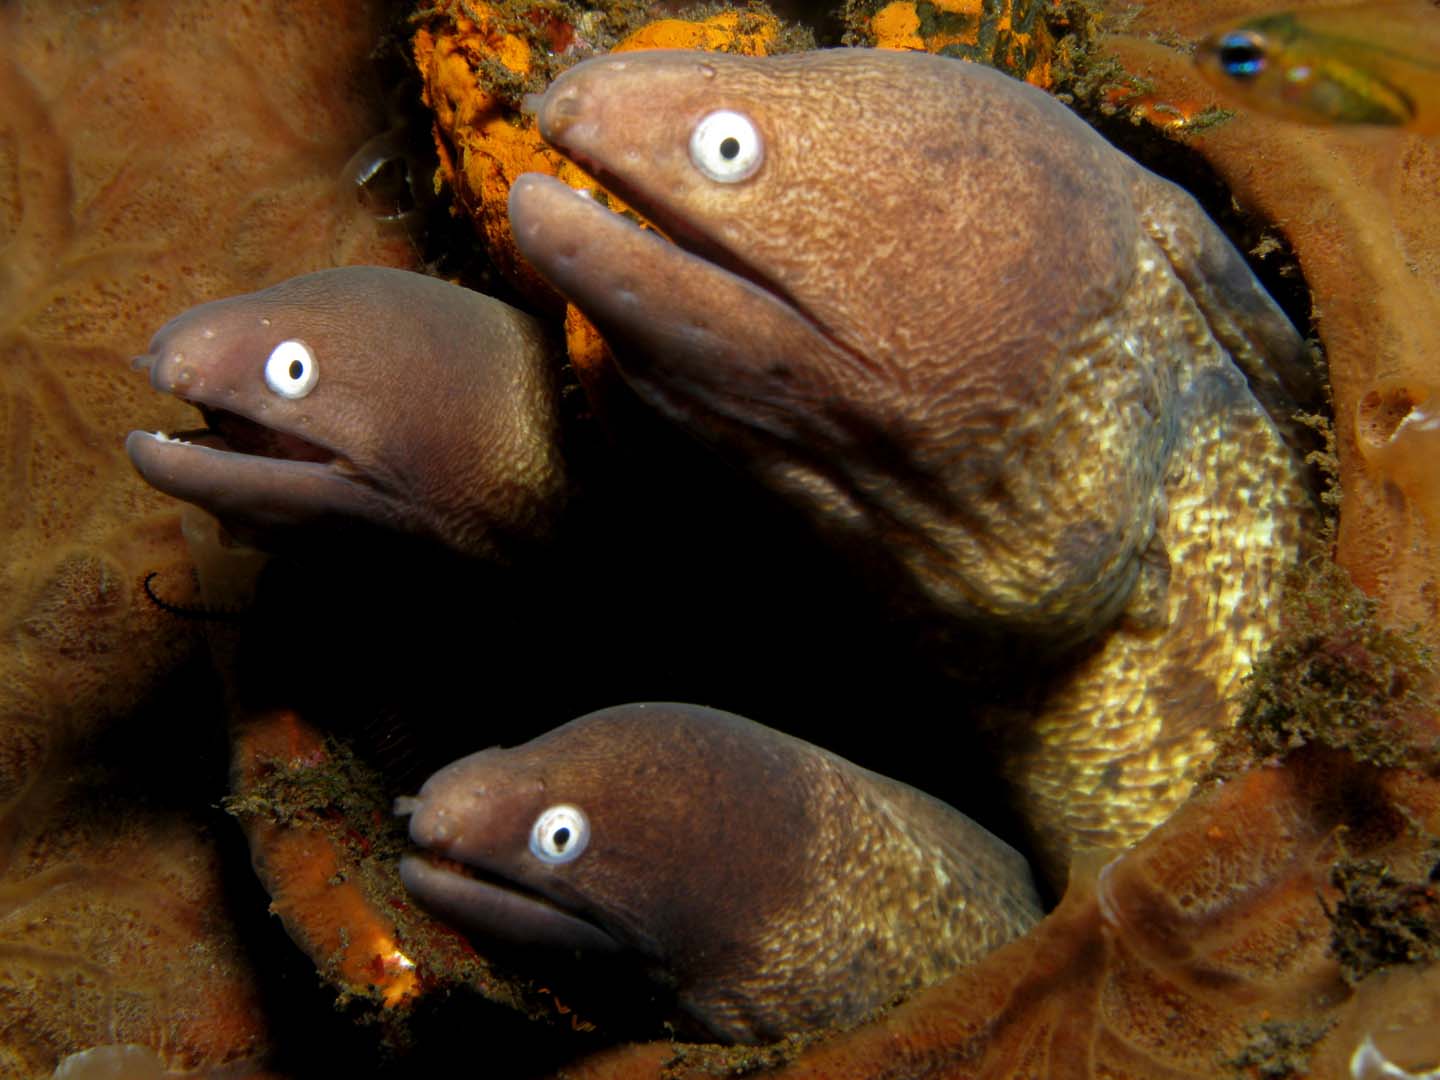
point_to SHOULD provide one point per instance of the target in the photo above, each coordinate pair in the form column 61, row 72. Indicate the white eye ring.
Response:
column 726, row 146
column 291, row 370
column 559, row 834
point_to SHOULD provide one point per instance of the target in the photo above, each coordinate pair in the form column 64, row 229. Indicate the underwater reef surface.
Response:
column 151, row 156
column 1282, row 917
column 1358, row 208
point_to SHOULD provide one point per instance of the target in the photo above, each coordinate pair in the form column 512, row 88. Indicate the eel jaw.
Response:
column 687, row 363
column 498, row 910
column 804, row 428
column 251, row 475
column 689, row 239
column 261, row 493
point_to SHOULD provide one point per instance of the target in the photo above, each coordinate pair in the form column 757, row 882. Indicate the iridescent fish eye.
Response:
column 1241, row 54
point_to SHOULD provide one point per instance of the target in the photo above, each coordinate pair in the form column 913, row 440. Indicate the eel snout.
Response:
column 461, row 825
column 363, row 394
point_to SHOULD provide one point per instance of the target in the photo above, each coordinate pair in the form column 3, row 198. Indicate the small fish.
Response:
column 1376, row 64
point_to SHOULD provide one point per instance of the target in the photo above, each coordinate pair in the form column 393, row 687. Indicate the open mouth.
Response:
column 225, row 430
column 254, row 477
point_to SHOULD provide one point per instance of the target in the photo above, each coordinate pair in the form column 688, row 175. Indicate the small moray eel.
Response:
column 362, row 393
column 775, row 886
column 1027, row 384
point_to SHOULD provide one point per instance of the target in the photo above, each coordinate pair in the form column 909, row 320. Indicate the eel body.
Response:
column 775, row 886
column 1027, row 384
column 362, row 393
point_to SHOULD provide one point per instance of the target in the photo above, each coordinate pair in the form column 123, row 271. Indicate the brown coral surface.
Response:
column 152, row 156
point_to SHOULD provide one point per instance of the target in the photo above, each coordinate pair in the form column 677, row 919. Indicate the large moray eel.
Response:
column 1026, row 383
column 775, row 886
column 362, row 394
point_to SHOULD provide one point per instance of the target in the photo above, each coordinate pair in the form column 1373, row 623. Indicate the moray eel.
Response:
column 1025, row 383
column 775, row 886
column 361, row 393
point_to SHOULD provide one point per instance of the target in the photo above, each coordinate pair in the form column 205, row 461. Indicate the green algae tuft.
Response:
column 1276, row 1050
column 1336, row 676
column 1382, row 919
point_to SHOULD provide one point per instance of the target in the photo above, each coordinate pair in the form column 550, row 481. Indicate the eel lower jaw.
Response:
column 498, row 910
column 262, row 493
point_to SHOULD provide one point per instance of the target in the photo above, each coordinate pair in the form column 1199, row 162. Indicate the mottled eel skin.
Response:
column 775, row 886
column 362, row 393
column 1016, row 375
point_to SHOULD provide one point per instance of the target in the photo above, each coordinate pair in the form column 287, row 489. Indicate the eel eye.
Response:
column 725, row 146
column 291, row 370
column 1241, row 54
column 559, row 834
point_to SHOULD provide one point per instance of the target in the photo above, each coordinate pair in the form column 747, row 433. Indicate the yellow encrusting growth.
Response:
column 749, row 33
column 1015, row 36
column 475, row 70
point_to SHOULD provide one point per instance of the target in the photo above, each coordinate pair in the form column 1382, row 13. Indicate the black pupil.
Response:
column 296, row 369
column 729, row 148
column 561, row 838
column 1241, row 58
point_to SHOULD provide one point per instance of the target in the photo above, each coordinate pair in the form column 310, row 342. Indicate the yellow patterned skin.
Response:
column 1016, row 36
column 1110, row 745
column 1027, row 385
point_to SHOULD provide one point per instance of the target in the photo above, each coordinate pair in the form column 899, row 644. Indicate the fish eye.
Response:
column 1241, row 54
column 291, row 370
column 559, row 834
column 726, row 146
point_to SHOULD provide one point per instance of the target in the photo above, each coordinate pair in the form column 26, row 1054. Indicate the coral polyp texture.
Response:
column 151, row 156
column 1022, row 38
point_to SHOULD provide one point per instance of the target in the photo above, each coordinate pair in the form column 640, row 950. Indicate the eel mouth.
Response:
column 490, row 906
column 225, row 430
column 684, row 235
column 263, row 479
column 237, row 434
